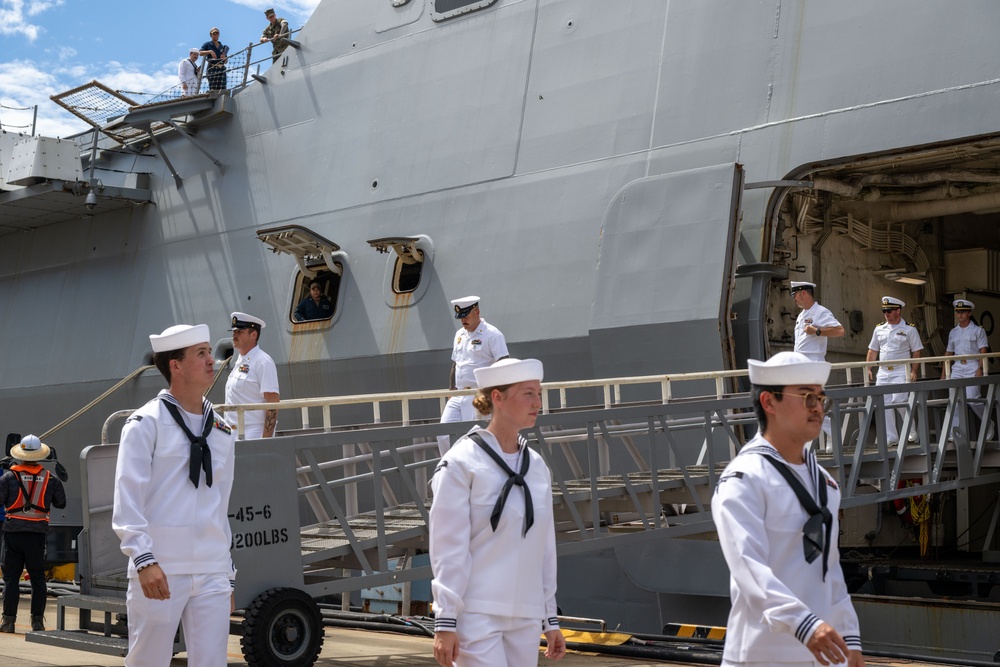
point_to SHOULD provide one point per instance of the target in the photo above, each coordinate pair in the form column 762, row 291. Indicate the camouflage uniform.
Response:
column 279, row 27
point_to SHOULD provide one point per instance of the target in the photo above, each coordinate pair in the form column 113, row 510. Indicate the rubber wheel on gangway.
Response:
column 282, row 627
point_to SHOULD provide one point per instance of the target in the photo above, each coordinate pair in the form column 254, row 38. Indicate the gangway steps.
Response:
column 109, row 641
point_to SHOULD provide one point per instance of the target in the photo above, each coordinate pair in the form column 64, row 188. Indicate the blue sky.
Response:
column 50, row 46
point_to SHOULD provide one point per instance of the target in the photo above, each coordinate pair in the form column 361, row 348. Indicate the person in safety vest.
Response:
column 27, row 492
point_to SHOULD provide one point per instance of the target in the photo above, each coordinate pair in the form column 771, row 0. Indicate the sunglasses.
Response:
column 889, row 310
column 811, row 400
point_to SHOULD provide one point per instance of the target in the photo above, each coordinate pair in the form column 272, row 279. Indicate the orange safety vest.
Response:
column 29, row 505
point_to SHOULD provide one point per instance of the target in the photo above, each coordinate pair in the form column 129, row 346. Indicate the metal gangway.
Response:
column 334, row 510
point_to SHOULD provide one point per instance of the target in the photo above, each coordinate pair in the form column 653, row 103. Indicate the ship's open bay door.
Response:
column 664, row 274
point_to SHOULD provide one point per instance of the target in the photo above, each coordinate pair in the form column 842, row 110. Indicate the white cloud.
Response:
column 296, row 11
column 14, row 16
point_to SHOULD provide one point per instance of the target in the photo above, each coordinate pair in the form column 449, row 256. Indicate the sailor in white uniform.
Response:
column 172, row 486
column 966, row 338
column 814, row 327
column 776, row 513
column 254, row 378
column 477, row 345
column 492, row 533
column 894, row 340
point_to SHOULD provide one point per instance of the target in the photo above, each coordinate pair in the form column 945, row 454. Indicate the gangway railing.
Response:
column 651, row 387
column 623, row 474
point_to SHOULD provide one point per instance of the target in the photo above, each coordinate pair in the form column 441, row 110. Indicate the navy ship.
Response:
column 629, row 186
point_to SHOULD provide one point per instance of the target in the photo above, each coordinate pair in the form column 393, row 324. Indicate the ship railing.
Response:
column 571, row 394
column 242, row 69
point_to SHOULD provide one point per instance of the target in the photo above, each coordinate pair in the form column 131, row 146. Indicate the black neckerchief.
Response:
column 201, row 453
column 814, row 540
column 512, row 479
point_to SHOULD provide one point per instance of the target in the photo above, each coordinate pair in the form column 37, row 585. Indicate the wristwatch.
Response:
column 818, row 330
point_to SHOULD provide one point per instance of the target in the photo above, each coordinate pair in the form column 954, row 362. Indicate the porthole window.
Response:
column 316, row 297
column 406, row 275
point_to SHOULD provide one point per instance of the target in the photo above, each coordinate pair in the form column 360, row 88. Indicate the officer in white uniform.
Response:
column 172, row 486
column 493, row 546
column 477, row 345
column 894, row 340
column 814, row 326
column 254, row 378
column 967, row 338
column 790, row 605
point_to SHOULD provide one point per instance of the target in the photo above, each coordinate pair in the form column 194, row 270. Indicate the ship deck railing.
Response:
column 623, row 473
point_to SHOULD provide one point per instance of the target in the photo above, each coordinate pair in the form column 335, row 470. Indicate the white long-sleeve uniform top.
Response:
column 476, row 349
column 158, row 513
column 778, row 598
column 813, row 346
column 481, row 571
column 254, row 374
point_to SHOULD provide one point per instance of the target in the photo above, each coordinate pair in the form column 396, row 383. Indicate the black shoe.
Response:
column 8, row 624
column 37, row 623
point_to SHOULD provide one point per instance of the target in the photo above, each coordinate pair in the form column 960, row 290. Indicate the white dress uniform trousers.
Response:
column 894, row 342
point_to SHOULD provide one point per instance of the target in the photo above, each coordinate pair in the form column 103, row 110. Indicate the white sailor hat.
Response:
column 179, row 336
column 892, row 302
column 796, row 286
column 30, row 449
column 509, row 371
column 787, row 368
column 963, row 304
column 244, row 321
column 194, row 49
column 464, row 306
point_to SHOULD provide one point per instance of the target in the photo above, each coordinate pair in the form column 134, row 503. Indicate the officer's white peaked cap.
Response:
column 796, row 286
column 464, row 305
column 892, row 302
column 179, row 336
column 244, row 321
column 788, row 368
column 963, row 304
column 30, row 449
column 509, row 371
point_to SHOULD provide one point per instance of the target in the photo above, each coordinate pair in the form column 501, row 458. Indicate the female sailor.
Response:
column 493, row 547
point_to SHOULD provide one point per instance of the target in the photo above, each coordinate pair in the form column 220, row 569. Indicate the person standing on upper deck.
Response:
column 187, row 72
column 814, row 326
column 477, row 345
column 894, row 340
column 776, row 511
column 254, row 379
column 276, row 32
column 966, row 338
column 216, row 54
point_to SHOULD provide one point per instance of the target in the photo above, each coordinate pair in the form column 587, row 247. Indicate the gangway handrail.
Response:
column 611, row 390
